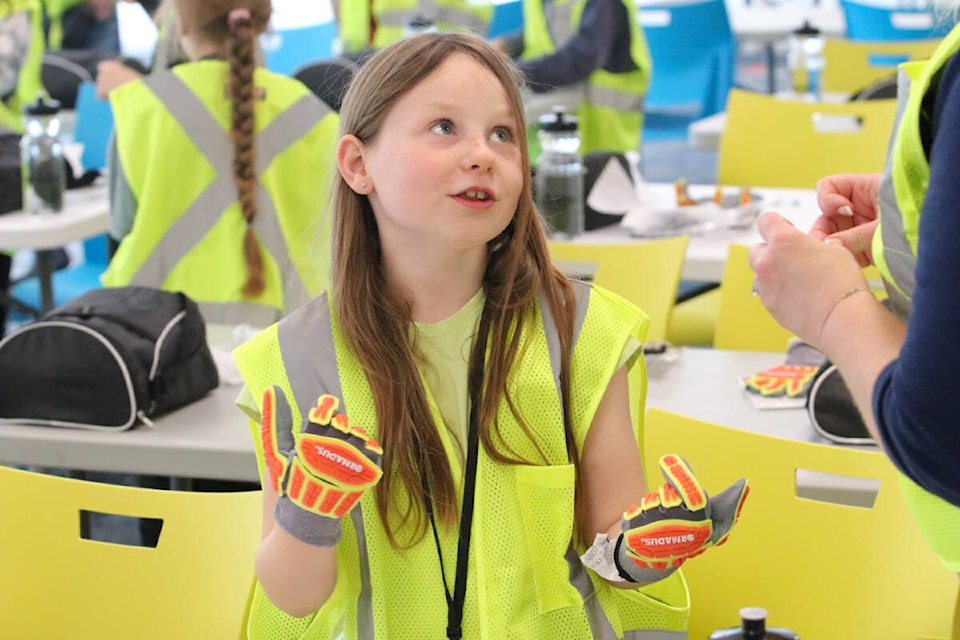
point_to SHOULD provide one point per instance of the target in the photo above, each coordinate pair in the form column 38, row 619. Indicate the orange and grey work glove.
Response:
column 677, row 522
column 320, row 472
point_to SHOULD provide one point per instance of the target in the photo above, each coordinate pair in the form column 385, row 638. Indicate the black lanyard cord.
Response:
column 455, row 602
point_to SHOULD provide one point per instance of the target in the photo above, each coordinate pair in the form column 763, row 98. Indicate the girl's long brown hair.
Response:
column 375, row 319
column 235, row 25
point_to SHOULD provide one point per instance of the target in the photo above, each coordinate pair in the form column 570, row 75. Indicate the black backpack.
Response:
column 106, row 360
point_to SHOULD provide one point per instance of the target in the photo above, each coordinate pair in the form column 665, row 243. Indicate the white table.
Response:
column 210, row 438
column 86, row 213
column 707, row 254
column 207, row 439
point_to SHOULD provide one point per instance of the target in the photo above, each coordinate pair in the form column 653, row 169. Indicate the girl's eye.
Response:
column 502, row 134
column 444, row 127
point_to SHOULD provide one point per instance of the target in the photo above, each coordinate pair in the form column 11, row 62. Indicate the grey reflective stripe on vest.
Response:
column 559, row 19
column 428, row 10
column 310, row 360
column 203, row 213
column 257, row 315
column 581, row 291
column 600, row 627
column 614, row 99
column 897, row 255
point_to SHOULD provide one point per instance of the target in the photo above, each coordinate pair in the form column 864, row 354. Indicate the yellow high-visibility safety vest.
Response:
column 902, row 192
column 28, row 83
column 525, row 577
column 391, row 17
column 176, row 155
column 611, row 111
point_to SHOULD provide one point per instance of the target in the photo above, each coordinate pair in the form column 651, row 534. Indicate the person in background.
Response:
column 374, row 24
column 21, row 52
column 218, row 172
column 83, row 24
column 596, row 45
column 473, row 372
column 901, row 367
column 21, row 55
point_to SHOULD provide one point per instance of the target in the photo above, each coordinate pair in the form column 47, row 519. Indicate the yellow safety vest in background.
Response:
column 391, row 16
column 29, row 83
column 173, row 140
column 525, row 579
column 902, row 192
column 611, row 112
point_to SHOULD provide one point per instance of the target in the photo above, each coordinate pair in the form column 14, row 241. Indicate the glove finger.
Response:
column 324, row 421
column 276, row 437
column 725, row 509
column 680, row 476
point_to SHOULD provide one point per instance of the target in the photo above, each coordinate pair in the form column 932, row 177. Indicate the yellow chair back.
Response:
column 56, row 584
column 825, row 570
column 743, row 323
column 852, row 65
column 773, row 142
column 645, row 273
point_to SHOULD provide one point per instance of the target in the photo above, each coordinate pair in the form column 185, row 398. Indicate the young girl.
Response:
column 217, row 174
column 493, row 404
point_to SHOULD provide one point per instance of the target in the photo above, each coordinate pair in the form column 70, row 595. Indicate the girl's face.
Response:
column 445, row 170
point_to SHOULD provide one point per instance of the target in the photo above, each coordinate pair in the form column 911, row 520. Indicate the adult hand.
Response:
column 800, row 277
column 319, row 472
column 676, row 523
column 848, row 203
column 110, row 75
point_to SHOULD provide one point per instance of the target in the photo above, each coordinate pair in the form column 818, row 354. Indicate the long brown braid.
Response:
column 236, row 24
column 240, row 55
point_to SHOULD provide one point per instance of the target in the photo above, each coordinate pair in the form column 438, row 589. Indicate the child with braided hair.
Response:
column 218, row 172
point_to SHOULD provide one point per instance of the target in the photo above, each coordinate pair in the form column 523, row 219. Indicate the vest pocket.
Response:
column 545, row 495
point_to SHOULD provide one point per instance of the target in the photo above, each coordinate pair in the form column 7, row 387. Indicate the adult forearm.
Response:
column 862, row 337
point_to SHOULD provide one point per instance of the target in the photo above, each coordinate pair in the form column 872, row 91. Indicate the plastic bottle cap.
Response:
column 557, row 120
column 807, row 30
column 42, row 107
column 753, row 613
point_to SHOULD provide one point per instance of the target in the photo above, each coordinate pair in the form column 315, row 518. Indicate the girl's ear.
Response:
column 352, row 166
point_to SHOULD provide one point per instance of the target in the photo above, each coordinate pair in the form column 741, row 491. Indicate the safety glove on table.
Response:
column 320, row 471
column 675, row 523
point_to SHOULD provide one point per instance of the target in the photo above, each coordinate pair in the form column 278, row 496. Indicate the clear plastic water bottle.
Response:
column 753, row 626
column 806, row 62
column 558, row 183
column 41, row 156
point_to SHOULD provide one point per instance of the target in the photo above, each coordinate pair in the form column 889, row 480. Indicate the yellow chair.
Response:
column 743, row 323
column 54, row 583
column 729, row 317
column 645, row 273
column 827, row 571
column 773, row 142
column 852, row 65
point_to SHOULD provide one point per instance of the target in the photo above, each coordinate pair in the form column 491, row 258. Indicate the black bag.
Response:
column 833, row 413
column 105, row 360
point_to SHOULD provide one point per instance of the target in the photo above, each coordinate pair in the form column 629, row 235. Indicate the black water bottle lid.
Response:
column 754, row 623
column 806, row 30
column 557, row 120
column 42, row 107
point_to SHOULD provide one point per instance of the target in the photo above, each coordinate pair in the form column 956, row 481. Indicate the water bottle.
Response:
column 41, row 156
column 753, row 626
column 558, row 183
column 806, row 62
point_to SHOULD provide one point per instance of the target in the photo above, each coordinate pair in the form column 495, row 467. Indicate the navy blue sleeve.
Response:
column 915, row 401
column 603, row 29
